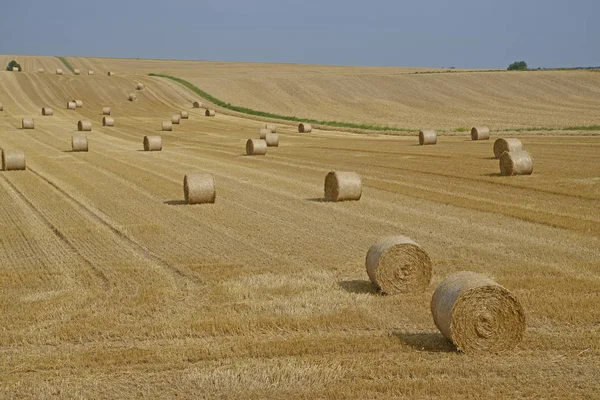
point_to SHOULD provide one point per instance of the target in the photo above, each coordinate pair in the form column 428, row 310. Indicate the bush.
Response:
column 518, row 66
column 13, row 64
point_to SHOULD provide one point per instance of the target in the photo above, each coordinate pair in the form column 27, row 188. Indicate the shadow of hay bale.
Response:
column 358, row 287
column 433, row 342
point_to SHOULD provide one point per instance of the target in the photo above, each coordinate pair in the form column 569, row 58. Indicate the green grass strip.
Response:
column 67, row 64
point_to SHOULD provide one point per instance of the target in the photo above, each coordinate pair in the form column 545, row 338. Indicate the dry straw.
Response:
column 477, row 314
column 47, row 111
column 140, row 86
column 516, row 163
column 90, row 72
column 131, row 97
column 199, row 188
column 263, row 133
column 210, row 113
column 152, row 143
column 341, row 186
column 396, row 265
column 304, row 128
column 108, row 121
column 175, row 119
column 27, row 123
column 105, row 110
column 184, row 115
column 271, row 127
column 77, row 72
column 84, row 125
column 59, row 71
column 480, row 133
column 41, row 70
column 256, row 147
column 197, row 104
column 78, row 103
column 167, row 126
column 71, row 105
column 502, row 145
column 272, row 140
column 79, row 143
column 13, row 160
column 427, row 137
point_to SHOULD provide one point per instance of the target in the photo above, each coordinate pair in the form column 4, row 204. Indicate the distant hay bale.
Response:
column 210, row 113
column 59, row 71
column 477, row 314
column 341, row 186
column 15, row 69
column 427, row 137
column 90, row 72
column 78, row 103
column 108, row 121
column 140, row 86
column 13, row 160
column 516, row 163
column 510, row 144
column 199, row 188
column 197, row 104
column 71, row 105
column 131, row 97
column 271, row 127
column 79, row 143
column 272, row 140
column 27, row 123
column 105, row 110
column 396, row 264
column 167, row 126
column 110, row 73
column 76, row 72
column 256, row 147
column 263, row 132
column 41, row 70
column 184, row 115
column 175, row 119
column 47, row 111
column 480, row 133
column 1, row 107
column 84, row 126
column 304, row 128
column 152, row 143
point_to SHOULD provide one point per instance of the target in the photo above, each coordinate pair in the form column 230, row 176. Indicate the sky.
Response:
column 428, row 33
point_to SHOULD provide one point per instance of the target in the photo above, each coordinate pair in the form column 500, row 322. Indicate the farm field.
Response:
column 112, row 287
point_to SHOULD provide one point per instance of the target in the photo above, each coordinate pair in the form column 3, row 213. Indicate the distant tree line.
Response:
column 13, row 64
column 518, row 66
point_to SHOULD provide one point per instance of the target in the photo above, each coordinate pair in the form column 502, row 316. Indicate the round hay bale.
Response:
column 184, row 115
column 79, row 143
column 13, row 160
column 272, row 140
column 263, row 132
column 175, row 119
column 304, row 128
column 71, row 105
column 271, row 127
column 199, row 188
column 167, row 126
column 197, row 104
column 105, row 110
column 84, row 125
column 341, row 186
column 152, row 143
column 90, row 72
column 110, row 73
column 131, row 97
column 47, row 111
column 15, row 69
column 210, row 113
column 477, row 314
column 140, row 86
column 108, row 121
column 78, row 103
column 427, row 137
column 480, row 133
column 41, row 70
column 516, row 163
column 27, row 123
column 502, row 145
column 256, row 147
column 396, row 264
column 59, row 71
column 77, row 72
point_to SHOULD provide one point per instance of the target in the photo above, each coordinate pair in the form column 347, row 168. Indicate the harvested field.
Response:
column 113, row 287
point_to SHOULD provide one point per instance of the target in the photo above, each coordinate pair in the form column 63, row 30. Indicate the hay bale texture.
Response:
column 47, row 111
column 59, row 71
column 197, row 104
column 175, row 119
column 167, row 126
column 210, row 113
column 511, row 144
column 342, row 186
column 272, row 140
column 516, row 163
column 263, row 133
column 271, row 127
column 84, row 126
column 13, row 160
column 199, row 188
column 78, row 103
column 79, row 143
column 480, row 133
column 140, row 86
column 152, row 143
column 304, row 128
column 106, row 110
column 77, row 72
column 108, row 121
column 71, row 105
column 477, row 314
column 396, row 264
column 184, row 115
column 27, row 123
column 427, row 137
column 256, row 147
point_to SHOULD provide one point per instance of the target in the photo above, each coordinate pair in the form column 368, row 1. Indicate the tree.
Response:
column 13, row 64
column 518, row 66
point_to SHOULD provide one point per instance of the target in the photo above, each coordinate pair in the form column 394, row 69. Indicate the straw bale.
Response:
column 256, row 147
column 427, row 137
column 199, row 188
column 511, row 144
column 13, row 160
column 480, row 133
column 341, row 186
column 304, row 128
column 516, row 163
column 79, row 143
column 152, row 143
column 108, row 121
column 84, row 125
column 27, row 123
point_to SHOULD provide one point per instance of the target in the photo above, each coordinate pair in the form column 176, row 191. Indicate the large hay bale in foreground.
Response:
column 131, row 97
column 199, row 188
column 152, row 143
column 256, row 147
column 78, row 103
column 396, row 264
column 71, row 105
column 47, row 111
column 77, row 72
column 341, row 186
column 79, row 143
column 516, row 163
column 27, row 123
column 184, row 114
column 477, row 314
column 197, row 104
column 175, row 119
column 106, row 110
column 84, row 126
column 304, row 128
column 263, row 132
column 108, row 121
column 271, row 127
column 167, row 126
column 480, row 133
column 210, row 113
column 59, row 71
column 272, row 140
column 427, row 137
column 13, row 160
column 511, row 144
column 140, row 86
column 90, row 72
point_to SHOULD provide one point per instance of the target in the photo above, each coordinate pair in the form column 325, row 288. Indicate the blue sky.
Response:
column 434, row 33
